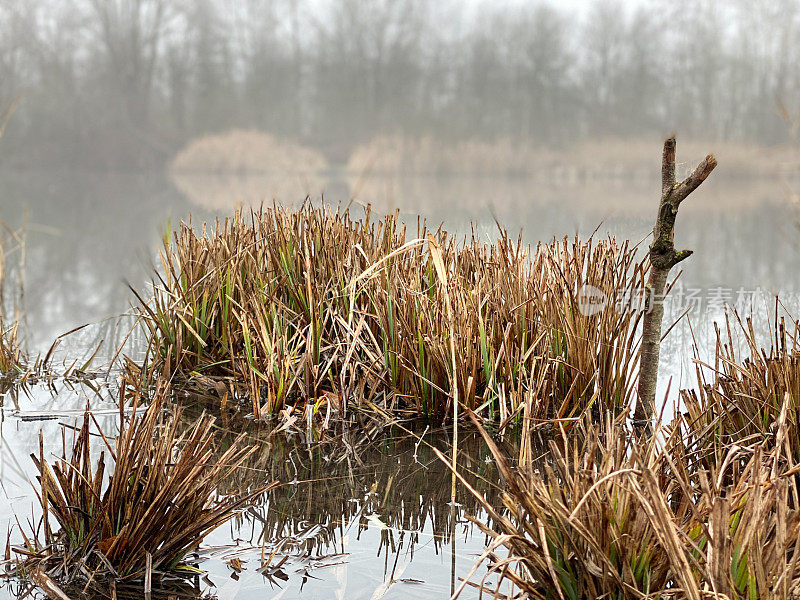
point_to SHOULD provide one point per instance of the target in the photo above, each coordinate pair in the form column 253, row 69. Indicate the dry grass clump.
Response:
column 312, row 307
column 141, row 520
column 243, row 151
column 743, row 400
column 609, row 515
column 246, row 167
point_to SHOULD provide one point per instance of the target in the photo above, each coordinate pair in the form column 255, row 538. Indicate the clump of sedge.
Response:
column 141, row 521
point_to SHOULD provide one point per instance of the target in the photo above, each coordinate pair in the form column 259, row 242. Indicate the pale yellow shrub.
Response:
column 242, row 167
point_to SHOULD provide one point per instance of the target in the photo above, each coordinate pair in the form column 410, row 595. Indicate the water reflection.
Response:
column 174, row 591
column 358, row 514
column 362, row 505
column 224, row 192
column 85, row 234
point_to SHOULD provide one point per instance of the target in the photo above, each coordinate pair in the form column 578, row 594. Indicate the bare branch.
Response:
column 693, row 181
column 682, row 255
column 663, row 257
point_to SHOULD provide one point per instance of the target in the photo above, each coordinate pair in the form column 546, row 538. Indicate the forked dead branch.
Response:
column 706, row 507
column 663, row 257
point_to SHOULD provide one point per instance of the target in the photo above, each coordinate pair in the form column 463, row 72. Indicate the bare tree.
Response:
column 130, row 33
column 342, row 71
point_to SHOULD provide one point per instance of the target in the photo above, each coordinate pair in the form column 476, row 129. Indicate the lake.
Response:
column 350, row 522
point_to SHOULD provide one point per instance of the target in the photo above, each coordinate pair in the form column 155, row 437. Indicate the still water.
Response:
column 377, row 522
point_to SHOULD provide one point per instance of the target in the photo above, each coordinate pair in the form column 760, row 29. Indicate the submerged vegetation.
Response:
column 313, row 308
column 148, row 514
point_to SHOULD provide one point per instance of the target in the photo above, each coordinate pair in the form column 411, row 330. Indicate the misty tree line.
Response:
column 126, row 82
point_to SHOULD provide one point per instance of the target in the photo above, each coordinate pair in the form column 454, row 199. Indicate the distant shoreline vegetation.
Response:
column 248, row 167
column 253, row 152
column 596, row 158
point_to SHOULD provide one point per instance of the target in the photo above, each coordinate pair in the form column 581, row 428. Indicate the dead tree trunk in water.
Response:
column 663, row 257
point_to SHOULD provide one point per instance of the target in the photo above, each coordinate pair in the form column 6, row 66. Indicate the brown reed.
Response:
column 612, row 515
column 142, row 520
column 315, row 308
column 739, row 398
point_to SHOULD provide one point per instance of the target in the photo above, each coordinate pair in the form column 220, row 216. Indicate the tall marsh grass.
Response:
column 141, row 518
column 315, row 308
column 740, row 397
column 609, row 515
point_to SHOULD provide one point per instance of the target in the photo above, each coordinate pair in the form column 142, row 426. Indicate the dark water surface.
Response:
column 348, row 520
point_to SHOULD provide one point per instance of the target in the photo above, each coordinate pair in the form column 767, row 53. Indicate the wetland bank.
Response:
column 362, row 299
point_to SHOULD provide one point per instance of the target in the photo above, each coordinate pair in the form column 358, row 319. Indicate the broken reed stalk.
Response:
column 663, row 257
column 156, row 506
column 436, row 256
column 11, row 355
column 5, row 115
column 11, row 358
